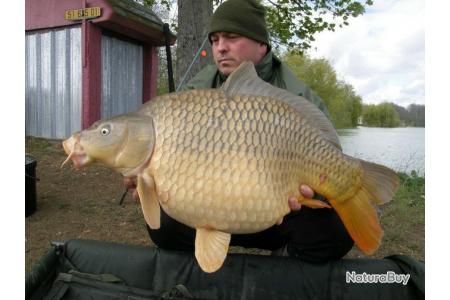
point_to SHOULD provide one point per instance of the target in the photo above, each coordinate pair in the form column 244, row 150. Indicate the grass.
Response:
column 39, row 145
column 409, row 201
column 404, row 218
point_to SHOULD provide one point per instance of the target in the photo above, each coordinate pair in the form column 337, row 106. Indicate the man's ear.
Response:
column 264, row 48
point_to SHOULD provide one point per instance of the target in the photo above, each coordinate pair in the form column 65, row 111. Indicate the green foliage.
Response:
column 403, row 218
column 381, row 115
column 162, row 9
column 410, row 195
column 414, row 115
column 294, row 23
column 343, row 103
column 414, row 184
column 37, row 144
column 163, row 76
column 150, row 3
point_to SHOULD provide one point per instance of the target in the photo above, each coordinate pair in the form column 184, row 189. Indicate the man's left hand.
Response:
column 294, row 204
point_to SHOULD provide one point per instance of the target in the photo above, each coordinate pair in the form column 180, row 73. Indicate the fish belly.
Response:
column 238, row 198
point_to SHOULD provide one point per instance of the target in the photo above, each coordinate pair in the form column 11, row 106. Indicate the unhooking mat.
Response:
column 84, row 269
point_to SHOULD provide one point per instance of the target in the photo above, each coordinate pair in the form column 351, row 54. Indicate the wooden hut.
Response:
column 86, row 60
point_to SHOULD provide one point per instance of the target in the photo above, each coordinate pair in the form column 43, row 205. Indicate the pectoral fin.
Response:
column 211, row 248
column 149, row 200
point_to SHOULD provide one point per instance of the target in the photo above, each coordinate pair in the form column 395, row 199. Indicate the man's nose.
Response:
column 222, row 45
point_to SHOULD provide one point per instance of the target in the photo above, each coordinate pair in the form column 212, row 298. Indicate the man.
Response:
column 238, row 33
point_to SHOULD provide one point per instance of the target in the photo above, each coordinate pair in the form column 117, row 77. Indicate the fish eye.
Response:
column 105, row 130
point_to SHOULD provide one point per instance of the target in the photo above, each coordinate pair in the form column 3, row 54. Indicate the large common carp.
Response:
column 226, row 160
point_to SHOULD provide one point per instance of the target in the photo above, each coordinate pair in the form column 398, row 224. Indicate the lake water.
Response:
column 402, row 149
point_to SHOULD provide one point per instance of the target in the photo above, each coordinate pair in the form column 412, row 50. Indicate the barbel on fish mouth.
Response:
column 225, row 161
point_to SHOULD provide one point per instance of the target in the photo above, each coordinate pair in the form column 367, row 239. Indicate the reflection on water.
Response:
column 402, row 149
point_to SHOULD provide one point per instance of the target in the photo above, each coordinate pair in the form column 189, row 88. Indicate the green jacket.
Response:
column 271, row 70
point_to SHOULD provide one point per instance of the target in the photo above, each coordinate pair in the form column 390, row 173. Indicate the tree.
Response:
column 340, row 98
column 353, row 103
column 414, row 115
column 381, row 115
column 294, row 23
column 291, row 23
column 417, row 114
column 403, row 114
column 191, row 27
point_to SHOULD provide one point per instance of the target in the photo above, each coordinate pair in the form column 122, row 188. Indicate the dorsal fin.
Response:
column 245, row 80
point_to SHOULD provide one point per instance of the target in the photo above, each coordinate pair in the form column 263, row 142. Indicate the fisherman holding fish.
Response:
column 238, row 33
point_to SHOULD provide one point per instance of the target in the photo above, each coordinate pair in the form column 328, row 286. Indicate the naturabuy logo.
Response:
column 388, row 277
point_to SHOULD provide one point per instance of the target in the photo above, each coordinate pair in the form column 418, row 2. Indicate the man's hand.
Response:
column 130, row 183
column 306, row 192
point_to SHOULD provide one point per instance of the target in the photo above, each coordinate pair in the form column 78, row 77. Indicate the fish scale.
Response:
column 225, row 161
column 251, row 141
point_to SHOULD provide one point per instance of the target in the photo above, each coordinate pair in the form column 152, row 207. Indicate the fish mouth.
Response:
column 75, row 152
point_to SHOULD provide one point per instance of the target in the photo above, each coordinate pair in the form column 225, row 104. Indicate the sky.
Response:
column 381, row 53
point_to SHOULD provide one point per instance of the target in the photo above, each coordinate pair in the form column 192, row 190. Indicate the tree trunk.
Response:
column 193, row 22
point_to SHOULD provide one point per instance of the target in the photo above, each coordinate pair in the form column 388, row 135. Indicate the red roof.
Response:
column 123, row 16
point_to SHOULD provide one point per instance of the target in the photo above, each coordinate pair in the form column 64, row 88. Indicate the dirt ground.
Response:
column 77, row 204
column 84, row 205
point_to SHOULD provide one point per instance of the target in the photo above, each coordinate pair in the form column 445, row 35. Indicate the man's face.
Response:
column 231, row 49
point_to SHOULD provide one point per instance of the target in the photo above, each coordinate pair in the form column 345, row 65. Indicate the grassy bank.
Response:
column 404, row 218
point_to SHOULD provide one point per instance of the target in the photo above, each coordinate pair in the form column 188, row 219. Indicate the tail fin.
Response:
column 358, row 213
column 380, row 181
